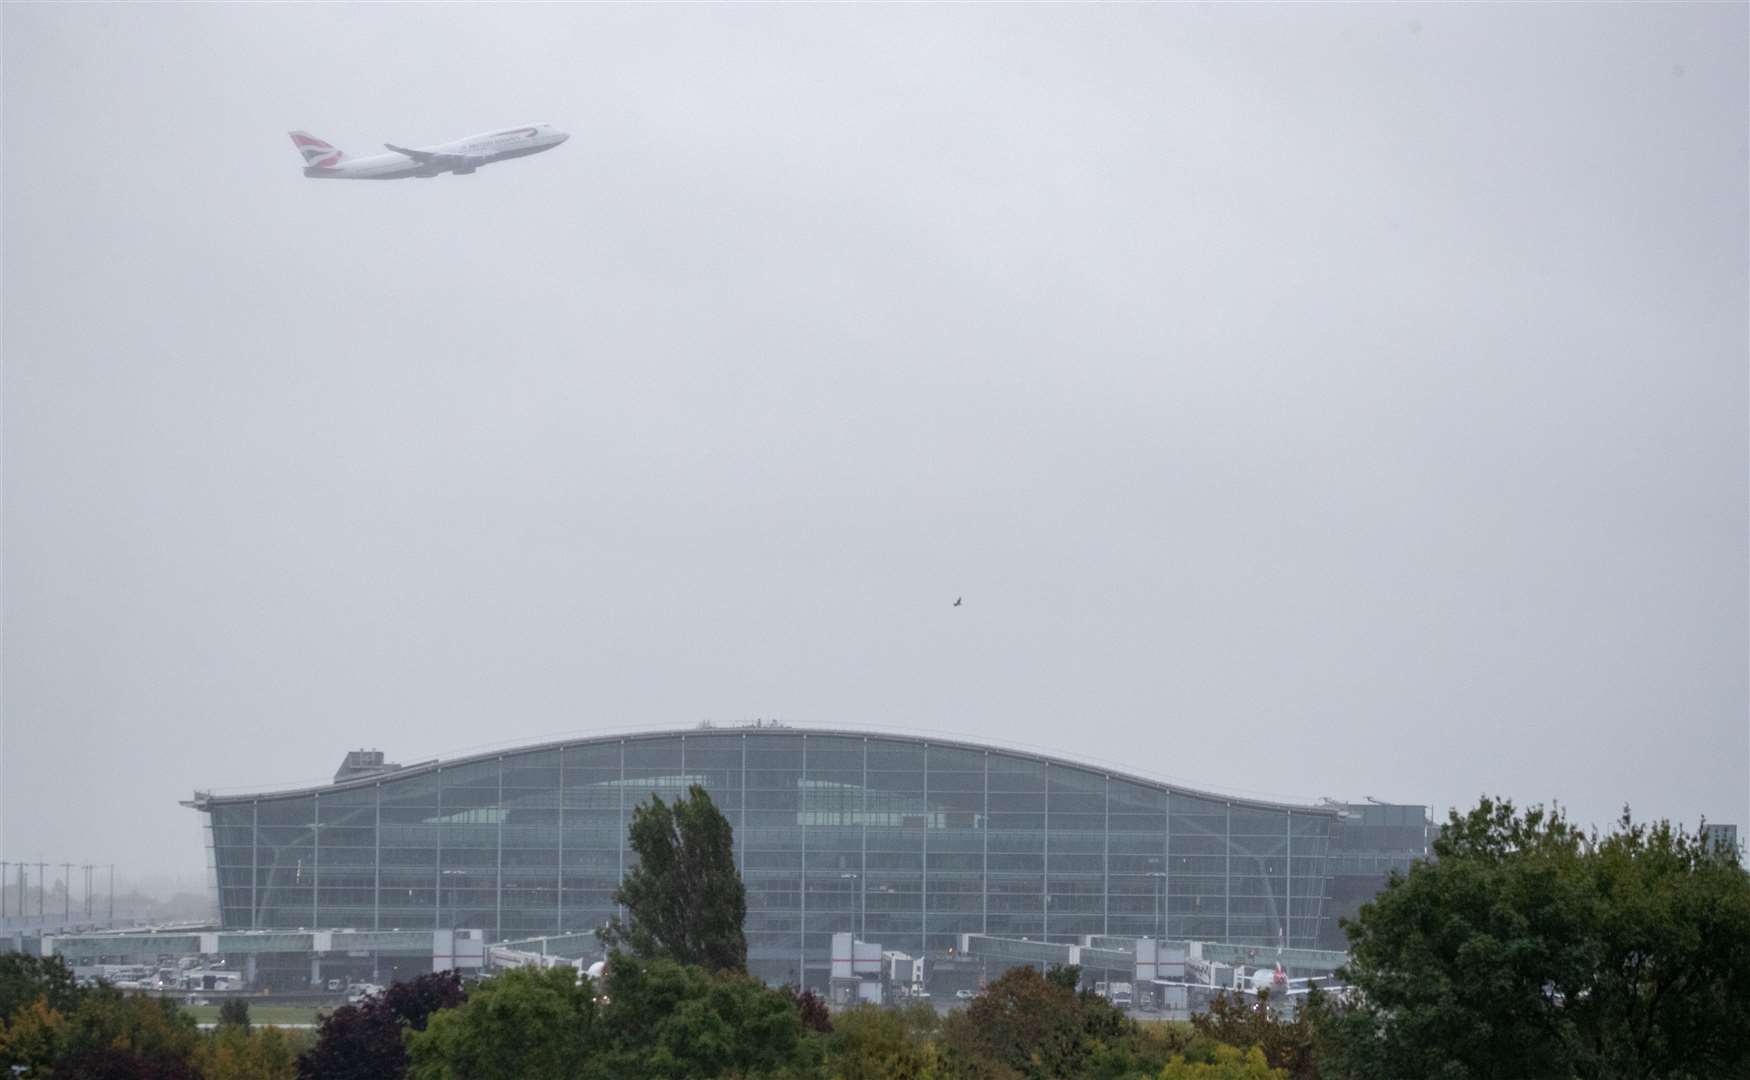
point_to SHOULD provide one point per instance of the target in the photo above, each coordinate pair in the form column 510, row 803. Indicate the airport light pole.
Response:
column 3, row 866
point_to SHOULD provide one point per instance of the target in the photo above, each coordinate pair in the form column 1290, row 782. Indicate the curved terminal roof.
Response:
column 205, row 800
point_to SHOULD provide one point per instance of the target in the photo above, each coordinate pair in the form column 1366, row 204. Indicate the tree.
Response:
column 1147, row 1049
column 812, row 1011
column 414, row 1000
column 234, row 1052
column 154, row 1030
column 1035, row 1025
column 1242, row 1021
column 24, row 979
column 1528, row 949
column 356, row 1042
column 1227, row 1063
column 872, row 1043
column 121, row 1063
column 365, row 1042
column 33, row 1037
column 234, row 1012
column 107, row 1035
column 524, row 1024
column 660, row 1019
column 685, row 898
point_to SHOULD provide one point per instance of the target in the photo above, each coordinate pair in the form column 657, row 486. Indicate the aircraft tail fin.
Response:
column 317, row 153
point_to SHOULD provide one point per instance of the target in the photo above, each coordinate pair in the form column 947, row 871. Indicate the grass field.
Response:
column 258, row 1014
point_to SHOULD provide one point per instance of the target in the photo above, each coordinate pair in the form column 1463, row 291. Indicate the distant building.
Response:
column 1724, row 836
column 910, row 842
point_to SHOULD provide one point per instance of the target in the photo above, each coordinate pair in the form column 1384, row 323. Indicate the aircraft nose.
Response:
column 561, row 135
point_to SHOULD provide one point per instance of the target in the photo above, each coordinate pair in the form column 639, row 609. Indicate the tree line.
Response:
column 1523, row 949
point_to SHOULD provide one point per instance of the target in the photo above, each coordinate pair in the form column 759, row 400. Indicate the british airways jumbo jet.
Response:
column 323, row 161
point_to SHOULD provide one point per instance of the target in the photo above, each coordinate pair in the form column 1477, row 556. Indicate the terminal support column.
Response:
column 1045, row 863
column 623, row 822
column 1167, row 866
column 1288, row 891
column 498, row 873
column 802, row 816
column 1227, row 891
column 1106, row 862
column 437, row 870
column 984, row 894
column 316, row 861
column 559, row 914
column 863, row 855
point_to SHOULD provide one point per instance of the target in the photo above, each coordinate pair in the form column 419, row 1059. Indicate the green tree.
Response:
column 33, row 1037
column 525, row 1024
column 154, row 1028
column 685, row 898
column 1034, row 1025
column 1527, row 949
column 24, row 979
column 234, row 1052
column 872, row 1043
column 234, row 1012
column 1146, row 1050
column 1227, row 1063
column 660, row 1019
column 1244, row 1021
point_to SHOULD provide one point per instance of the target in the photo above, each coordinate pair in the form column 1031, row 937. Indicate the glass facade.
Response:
column 1369, row 842
column 906, row 842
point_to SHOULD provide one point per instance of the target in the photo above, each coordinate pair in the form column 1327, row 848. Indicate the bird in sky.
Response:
column 957, row 600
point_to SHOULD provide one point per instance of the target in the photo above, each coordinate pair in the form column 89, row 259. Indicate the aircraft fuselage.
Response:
column 461, row 156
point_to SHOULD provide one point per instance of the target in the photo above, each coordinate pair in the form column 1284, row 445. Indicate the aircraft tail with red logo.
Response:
column 317, row 153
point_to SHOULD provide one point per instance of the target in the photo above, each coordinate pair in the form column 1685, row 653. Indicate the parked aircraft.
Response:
column 1262, row 979
column 324, row 161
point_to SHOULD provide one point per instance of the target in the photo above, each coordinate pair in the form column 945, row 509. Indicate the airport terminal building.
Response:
column 907, row 841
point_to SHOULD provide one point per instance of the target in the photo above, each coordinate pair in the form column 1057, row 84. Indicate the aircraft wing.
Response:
column 420, row 156
column 426, row 157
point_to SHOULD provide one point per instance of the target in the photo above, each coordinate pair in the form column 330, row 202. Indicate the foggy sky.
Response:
column 1306, row 400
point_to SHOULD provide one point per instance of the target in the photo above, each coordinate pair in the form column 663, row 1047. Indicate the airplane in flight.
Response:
column 323, row 161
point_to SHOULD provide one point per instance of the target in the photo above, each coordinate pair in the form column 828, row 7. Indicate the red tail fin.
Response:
column 317, row 154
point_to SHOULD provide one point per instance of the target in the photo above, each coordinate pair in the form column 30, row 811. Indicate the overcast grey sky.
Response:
column 1309, row 400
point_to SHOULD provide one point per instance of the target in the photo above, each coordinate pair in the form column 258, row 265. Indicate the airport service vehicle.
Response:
column 324, row 161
